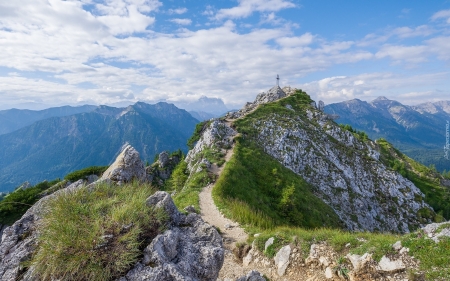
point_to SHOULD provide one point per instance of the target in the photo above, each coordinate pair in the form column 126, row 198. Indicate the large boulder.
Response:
column 189, row 250
column 128, row 166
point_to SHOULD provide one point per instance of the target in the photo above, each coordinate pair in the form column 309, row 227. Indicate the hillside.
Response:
column 282, row 170
column 53, row 147
column 418, row 131
column 14, row 119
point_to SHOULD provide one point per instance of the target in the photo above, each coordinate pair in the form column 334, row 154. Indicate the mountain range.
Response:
column 14, row 119
column 418, row 131
column 52, row 147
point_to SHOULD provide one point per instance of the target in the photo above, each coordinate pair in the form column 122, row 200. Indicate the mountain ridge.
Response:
column 53, row 147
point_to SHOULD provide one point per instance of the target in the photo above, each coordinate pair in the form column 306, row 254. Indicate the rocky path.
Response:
column 231, row 232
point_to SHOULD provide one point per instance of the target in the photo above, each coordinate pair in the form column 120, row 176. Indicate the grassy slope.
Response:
column 255, row 190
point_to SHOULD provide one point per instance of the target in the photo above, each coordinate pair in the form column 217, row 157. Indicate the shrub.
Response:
column 15, row 204
column 83, row 173
column 95, row 234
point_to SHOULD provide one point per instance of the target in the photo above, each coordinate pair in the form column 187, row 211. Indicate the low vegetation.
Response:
column 434, row 257
column 84, row 173
column 425, row 178
column 15, row 204
column 256, row 190
column 95, row 234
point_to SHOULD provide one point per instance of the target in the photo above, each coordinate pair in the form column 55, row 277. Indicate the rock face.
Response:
column 217, row 134
column 252, row 276
column 190, row 250
column 128, row 166
column 436, row 231
column 275, row 93
column 161, row 170
column 346, row 172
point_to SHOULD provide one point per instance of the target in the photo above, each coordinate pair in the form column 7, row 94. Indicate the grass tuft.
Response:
column 95, row 234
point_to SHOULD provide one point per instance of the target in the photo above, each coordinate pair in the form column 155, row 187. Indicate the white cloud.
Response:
column 409, row 54
column 96, row 56
column 182, row 21
column 296, row 41
column 178, row 11
column 247, row 7
column 371, row 85
column 444, row 14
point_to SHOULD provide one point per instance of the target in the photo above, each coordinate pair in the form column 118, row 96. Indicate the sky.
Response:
column 118, row 52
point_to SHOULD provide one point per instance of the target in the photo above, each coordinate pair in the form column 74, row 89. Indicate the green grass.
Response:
column 84, row 173
column 426, row 179
column 15, row 204
column 189, row 195
column 73, row 242
column 360, row 242
column 434, row 257
column 256, row 190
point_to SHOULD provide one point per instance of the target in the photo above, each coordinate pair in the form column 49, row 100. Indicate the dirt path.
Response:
column 231, row 232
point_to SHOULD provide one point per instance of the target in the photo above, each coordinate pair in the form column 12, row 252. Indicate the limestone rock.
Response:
column 358, row 261
column 19, row 240
column 217, row 134
column 252, row 276
column 388, row 265
column 397, row 245
column 162, row 200
column 350, row 183
column 268, row 243
column 128, row 166
column 161, row 170
column 282, row 259
column 163, row 159
column 190, row 250
column 190, row 209
column 437, row 230
column 328, row 273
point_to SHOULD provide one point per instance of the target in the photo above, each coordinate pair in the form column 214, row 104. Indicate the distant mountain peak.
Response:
column 381, row 98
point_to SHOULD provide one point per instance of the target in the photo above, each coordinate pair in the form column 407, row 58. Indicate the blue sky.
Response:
column 116, row 52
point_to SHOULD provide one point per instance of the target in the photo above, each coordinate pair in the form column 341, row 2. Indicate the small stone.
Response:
column 268, row 243
column 388, row 265
column 257, row 235
column 347, row 245
column 397, row 245
column 328, row 273
column 404, row 250
column 295, row 250
column 282, row 259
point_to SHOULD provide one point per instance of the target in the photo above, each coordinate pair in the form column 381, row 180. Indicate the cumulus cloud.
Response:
column 182, row 21
column 178, row 11
column 248, row 7
column 444, row 14
column 110, row 53
column 369, row 86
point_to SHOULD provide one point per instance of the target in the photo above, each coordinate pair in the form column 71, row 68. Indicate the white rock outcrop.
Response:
column 282, row 259
column 128, row 166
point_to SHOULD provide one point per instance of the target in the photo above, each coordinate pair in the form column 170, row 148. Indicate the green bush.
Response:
column 15, row 204
column 83, row 173
column 95, row 234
